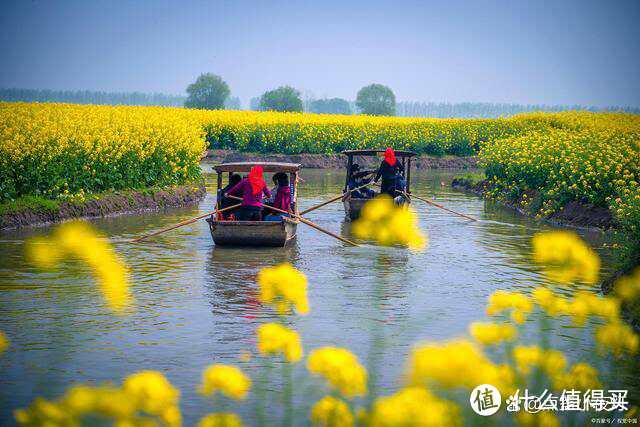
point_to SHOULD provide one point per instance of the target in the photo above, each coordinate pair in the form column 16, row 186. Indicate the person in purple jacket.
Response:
column 282, row 199
column 252, row 189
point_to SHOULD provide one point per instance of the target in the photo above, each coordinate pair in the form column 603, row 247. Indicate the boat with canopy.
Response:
column 353, row 205
column 254, row 233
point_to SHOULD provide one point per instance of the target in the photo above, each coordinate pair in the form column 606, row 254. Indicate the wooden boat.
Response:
column 353, row 206
column 256, row 233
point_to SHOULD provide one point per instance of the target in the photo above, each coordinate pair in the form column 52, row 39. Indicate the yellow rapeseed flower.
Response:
column 44, row 413
column 151, row 391
column 552, row 362
column 225, row 379
column 224, row 419
column 81, row 241
column 517, row 304
column 4, row 342
column 581, row 376
column 565, row 257
column 455, row 364
column 341, row 369
column 331, row 412
column 381, row 220
column 617, row 337
column 492, row 333
column 627, row 288
column 284, row 286
column 414, row 406
column 551, row 304
column 275, row 338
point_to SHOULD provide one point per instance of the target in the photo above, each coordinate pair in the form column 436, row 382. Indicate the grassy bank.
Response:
column 36, row 210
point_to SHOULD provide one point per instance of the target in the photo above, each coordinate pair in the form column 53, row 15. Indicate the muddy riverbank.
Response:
column 109, row 204
column 337, row 161
column 573, row 214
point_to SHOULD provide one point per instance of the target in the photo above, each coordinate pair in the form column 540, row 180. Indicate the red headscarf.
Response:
column 255, row 179
column 390, row 156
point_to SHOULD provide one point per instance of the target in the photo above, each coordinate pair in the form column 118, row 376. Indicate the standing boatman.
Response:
column 389, row 169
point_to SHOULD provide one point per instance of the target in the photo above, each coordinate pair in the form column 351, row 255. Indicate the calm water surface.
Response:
column 197, row 303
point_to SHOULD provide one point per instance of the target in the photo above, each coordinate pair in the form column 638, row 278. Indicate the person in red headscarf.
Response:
column 389, row 169
column 252, row 189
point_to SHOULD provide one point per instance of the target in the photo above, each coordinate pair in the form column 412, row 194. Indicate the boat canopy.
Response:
column 266, row 167
column 376, row 152
column 404, row 156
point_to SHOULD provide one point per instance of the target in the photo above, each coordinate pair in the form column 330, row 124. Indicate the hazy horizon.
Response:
column 564, row 53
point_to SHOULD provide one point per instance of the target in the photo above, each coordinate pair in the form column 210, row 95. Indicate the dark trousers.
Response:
column 249, row 213
column 388, row 186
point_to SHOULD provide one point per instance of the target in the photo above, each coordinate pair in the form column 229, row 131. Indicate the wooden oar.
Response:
column 180, row 224
column 332, row 200
column 304, row 221
column 437, row 205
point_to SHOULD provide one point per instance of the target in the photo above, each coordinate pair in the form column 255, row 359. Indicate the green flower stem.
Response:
column 287, row 395
column 261, row 395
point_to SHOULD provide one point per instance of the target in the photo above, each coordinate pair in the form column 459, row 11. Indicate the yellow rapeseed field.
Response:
column 586, row 157
column 59, row 150
column 62, row 151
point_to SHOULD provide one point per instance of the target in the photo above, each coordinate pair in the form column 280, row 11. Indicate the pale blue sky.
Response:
column 543, row 52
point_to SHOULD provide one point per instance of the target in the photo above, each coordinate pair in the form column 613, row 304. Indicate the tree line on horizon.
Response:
column 91, row 97
column 209, row 91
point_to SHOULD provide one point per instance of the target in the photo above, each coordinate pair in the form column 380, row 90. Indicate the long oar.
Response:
column 180, row 224
column 332, row 200
column 305, row 221
column 437, row 205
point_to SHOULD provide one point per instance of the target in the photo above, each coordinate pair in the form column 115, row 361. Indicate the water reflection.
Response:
column 230, row 280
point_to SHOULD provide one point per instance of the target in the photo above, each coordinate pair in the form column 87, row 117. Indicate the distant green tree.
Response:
column 232, row 103
column 254, row 104
column 330, row 106
column 208, row 92
column 377, row 100
column 285, row 98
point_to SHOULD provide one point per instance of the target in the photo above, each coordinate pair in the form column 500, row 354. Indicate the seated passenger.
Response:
column 251, row 189
column 399, row 195
column 358, row 179
column 273, row 190
column 225, row 202
column 282, row 199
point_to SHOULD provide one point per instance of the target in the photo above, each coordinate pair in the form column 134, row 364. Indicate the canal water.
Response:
column 196, row 303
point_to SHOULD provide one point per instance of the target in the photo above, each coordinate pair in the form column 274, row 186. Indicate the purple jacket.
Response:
column 283, row 198
column 248, row 198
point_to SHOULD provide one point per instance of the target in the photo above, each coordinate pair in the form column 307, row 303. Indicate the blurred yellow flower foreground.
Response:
column 79, row 240
column 145, row 398
column 285, row 288
column 388, row 224
column 225, row 379
column 453, row 367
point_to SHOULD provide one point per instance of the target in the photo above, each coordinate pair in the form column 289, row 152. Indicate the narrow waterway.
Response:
column 196, row 303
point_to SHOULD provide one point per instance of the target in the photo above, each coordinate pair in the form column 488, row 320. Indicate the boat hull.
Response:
column 353, row 207
column 252, row 233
